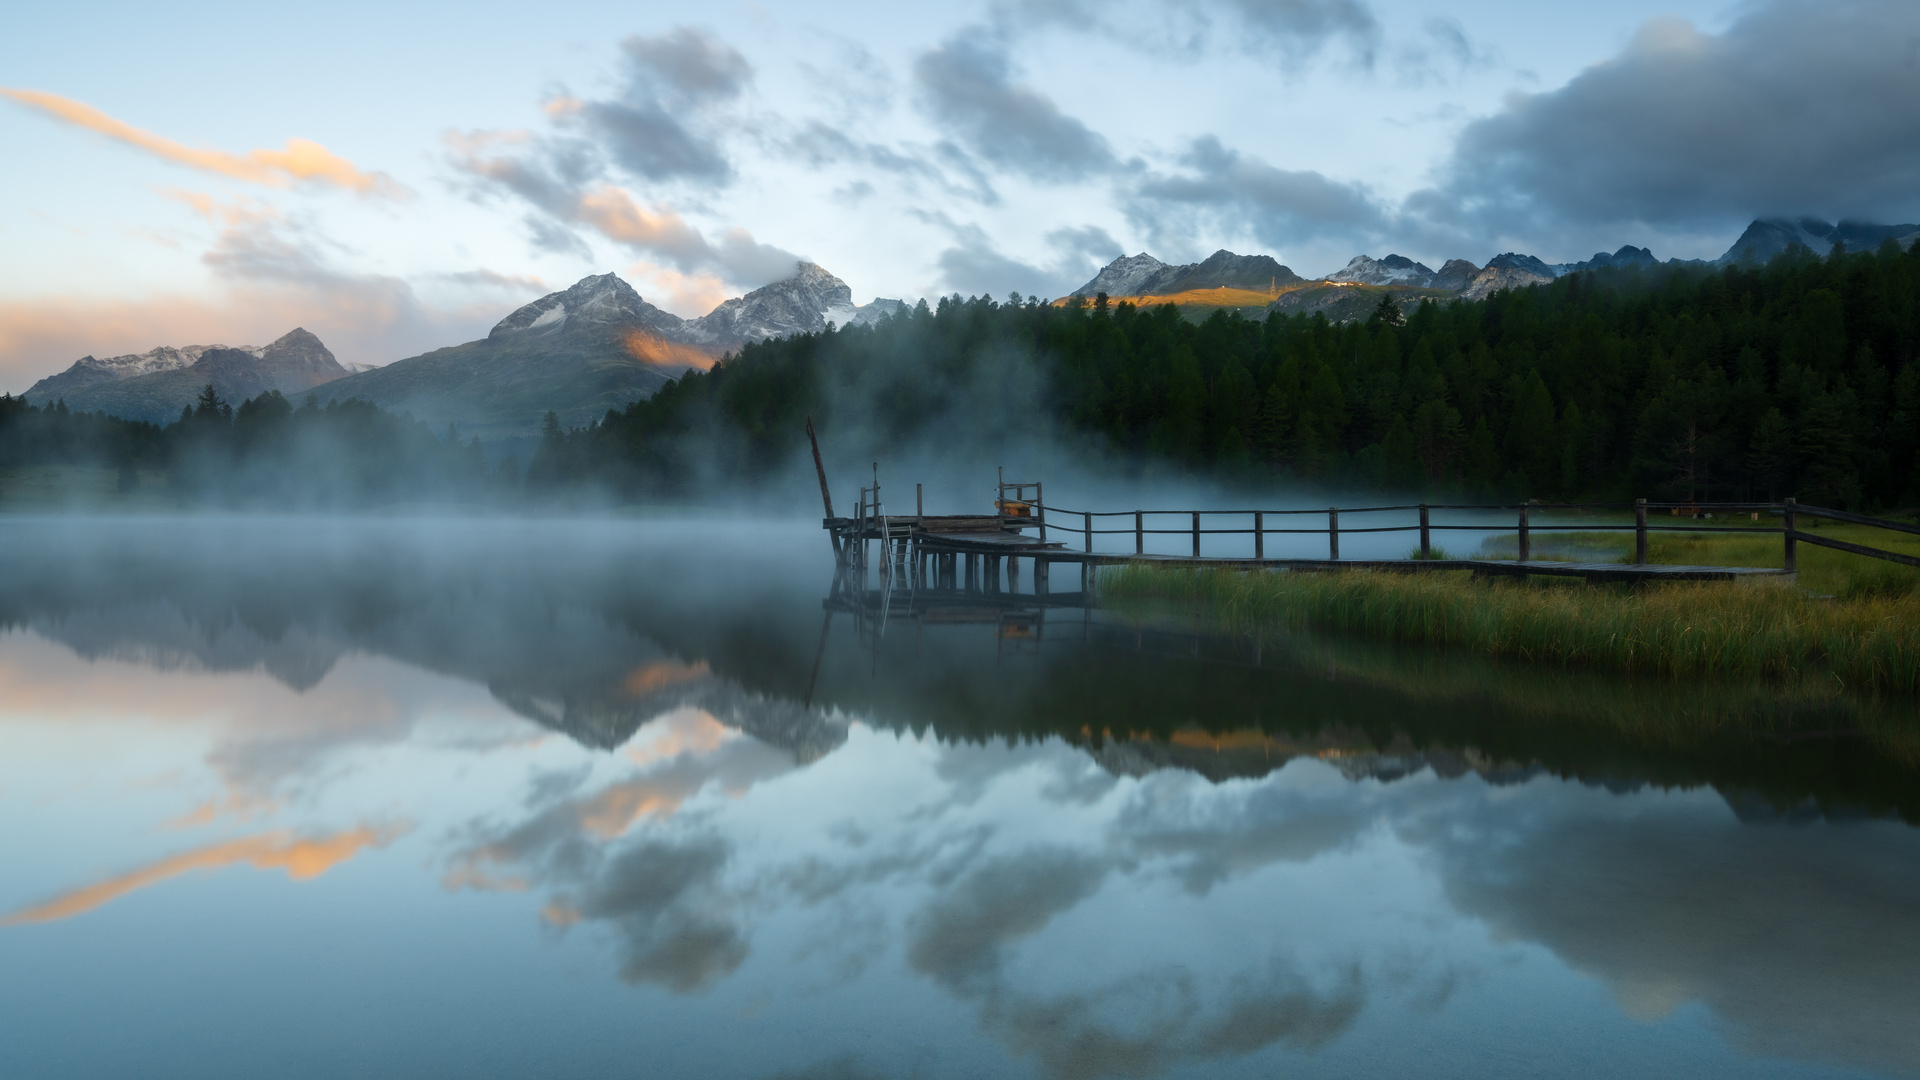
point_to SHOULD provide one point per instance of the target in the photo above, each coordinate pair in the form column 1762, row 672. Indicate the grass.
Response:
column 1721, row 629
column 1821, row 570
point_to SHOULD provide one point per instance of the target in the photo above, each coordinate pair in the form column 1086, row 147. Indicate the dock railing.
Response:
column 1141, row 524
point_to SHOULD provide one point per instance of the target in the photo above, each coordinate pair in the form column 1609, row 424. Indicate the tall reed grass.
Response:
column 1726, row 629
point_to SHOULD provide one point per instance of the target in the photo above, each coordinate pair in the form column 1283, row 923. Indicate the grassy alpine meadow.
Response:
column 1867, row 642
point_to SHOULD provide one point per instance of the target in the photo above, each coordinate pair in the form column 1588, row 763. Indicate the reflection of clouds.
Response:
column 1804, row 939
column 959, row 936
column 300, row 857
column 662, row 895
column 1208, row 834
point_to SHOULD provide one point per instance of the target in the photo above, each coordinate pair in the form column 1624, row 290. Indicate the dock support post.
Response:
column 1526, row 538
column 1196, row 534
column 1089, row 532
column 1086, row 579
column 1640, row 532
column 1139, row 533
column 1013, row 574
column 973, row 572
column 1040, row 577
column 1333, row 533
column 1787, row 517
column 1259, row 535
column 1426, row 539
column 991, row 582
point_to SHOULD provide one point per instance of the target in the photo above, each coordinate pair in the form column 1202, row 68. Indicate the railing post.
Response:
column 1089, row 532
column 1196, row 534
column 1526, row 541
column 1139, row 533
column 1259, row 535
column 1640, row 532
column 1333, row 533
column 1788, row 519
column 1426, row 541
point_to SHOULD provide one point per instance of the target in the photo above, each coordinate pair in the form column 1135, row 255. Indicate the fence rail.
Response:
column 1790, row 511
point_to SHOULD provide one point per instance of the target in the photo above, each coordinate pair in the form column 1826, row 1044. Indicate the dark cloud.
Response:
column 661, row 895
column 688, row 65
column 662, row 126
column 819, row 145
column 974, row 266
column 958, row 939
column 967, row 86
column 1799, row 108
column 1301, row 26
column 1221, row 189
column 1803, row 939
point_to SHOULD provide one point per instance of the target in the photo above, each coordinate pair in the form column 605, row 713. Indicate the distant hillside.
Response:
column 591, row 348
column 1144, row 275
column 156, row 385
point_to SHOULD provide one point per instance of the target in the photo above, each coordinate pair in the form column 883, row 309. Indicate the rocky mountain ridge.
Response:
column 157, row 384
column 1144, row 275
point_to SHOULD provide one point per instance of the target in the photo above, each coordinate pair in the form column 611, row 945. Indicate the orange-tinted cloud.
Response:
column 302, row 160
column 617, row 216
column 301, row 858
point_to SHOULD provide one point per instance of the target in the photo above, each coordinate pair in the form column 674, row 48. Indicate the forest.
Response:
column 1796, row 378
column 265, row 453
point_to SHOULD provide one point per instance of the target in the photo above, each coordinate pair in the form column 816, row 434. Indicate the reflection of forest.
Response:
column 593, row 635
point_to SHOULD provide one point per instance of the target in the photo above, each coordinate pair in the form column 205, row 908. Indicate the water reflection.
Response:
column 939, row 835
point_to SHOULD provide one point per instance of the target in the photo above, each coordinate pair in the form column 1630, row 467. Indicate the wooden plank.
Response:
column 1854, row 549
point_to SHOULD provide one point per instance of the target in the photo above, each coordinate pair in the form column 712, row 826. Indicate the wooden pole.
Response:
column 1089, row 532
column 1196, row 534
column 1040, row 504
column 1792, row 562
column 1259, row 535
column 919, row 506
column 1426, row 540
column 1333, row 533
column 1139, row 533
column 1526, row 540
column 1640, row 532
column 820, row 468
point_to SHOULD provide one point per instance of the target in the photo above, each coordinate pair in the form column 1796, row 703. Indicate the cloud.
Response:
column 301, row 858
column 663, row 125
column 974, row 266
column 302, row 161
column 1798, row 108
column 270, row 274
column 1221, row 189
column 555, row 177
column 967, row 86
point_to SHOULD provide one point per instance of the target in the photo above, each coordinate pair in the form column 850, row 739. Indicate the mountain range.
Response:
column 598, row 345
column 1143, row 275
column 577, row 352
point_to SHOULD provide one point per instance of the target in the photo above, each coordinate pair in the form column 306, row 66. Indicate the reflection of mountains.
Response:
column 567, row 669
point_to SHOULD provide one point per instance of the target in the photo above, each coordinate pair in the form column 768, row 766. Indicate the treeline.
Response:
column 265, row 453
column 1797, row 378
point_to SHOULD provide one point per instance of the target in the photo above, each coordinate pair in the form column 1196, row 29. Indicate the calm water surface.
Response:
column 506, row 799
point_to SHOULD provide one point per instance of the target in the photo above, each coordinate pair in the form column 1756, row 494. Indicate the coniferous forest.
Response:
column 1796, row 378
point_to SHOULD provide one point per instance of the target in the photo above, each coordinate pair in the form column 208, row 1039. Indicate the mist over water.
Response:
column 575, row 797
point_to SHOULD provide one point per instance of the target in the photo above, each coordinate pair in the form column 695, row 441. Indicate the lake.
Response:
column 479, row 798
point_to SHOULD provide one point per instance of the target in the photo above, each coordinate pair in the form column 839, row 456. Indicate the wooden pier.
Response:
column 981, row 553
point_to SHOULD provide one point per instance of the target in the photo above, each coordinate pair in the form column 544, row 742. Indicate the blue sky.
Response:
column 395, row 178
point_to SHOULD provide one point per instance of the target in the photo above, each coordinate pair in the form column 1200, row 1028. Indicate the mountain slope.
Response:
column 155, row 386
column 1144, row 275
column 1767, row 237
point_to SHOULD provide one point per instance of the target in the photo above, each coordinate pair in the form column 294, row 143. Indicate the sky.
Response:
column 396, row 178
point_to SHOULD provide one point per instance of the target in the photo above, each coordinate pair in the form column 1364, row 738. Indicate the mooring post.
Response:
column 1259, row 535
column 1640, row 532
column 1089, row 532
column 1139, row 533
column 1196, row 534
column 1333, row 533
column 1040, row 577
column 1426, row 543
column 1787, row 517
column 1526, row 540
